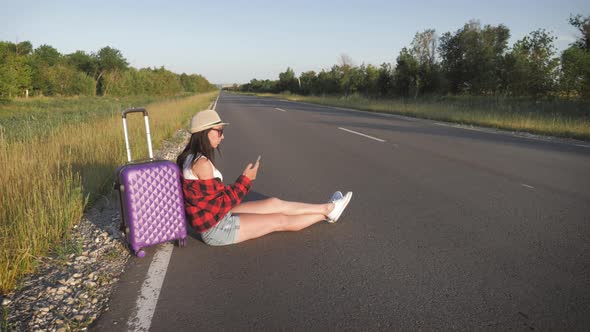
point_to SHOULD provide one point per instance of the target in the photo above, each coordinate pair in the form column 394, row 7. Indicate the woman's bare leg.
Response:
column 257, row 225
column 275, row 205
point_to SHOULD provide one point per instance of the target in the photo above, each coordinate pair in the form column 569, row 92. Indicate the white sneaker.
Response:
column 339, row 206
column 335, row 196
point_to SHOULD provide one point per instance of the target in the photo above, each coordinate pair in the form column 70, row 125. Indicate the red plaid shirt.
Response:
column 207, row 201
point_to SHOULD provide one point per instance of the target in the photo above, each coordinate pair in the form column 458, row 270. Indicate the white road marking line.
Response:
column 361, row 134
column 584, row 146
column 526, row 185
column 215, row 105
column 463, row 127
column 150, row 290
column 280, row 109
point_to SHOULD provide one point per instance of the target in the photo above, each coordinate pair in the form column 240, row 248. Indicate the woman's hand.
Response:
column 251, row 171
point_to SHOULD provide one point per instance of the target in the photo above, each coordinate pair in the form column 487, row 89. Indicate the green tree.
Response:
column 575, row 61
column 288, row 81
column 423, row 49
column 329, row 81
column 472, row 56
column 122, row 83
column 260, row 86
column 532, row 65
column 167, row 83
column 15, row 72
column 583, row 25
column 65, row 80
column 195, row 83
column 352, row 79
column 385, row 80
column 108, row 59
column 41, row 60
column 370, row 80
column 15, row 76
column 46, row 55
column 406, row 74
column 575, row 72
column 83, row 62
column 146, row 81
column 23, row 48
column 308, row 82
column 188, row 83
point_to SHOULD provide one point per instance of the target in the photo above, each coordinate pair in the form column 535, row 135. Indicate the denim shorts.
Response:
column 224, row 232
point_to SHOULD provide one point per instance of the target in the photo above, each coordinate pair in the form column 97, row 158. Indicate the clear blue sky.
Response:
column 235, row 41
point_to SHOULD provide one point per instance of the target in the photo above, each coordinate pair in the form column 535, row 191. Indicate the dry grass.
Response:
column 47, row 181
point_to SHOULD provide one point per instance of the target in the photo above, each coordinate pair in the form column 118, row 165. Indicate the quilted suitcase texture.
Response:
column 152, row 205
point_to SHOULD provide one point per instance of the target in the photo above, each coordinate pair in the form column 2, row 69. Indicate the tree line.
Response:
column 473, row 60
column 45, row 71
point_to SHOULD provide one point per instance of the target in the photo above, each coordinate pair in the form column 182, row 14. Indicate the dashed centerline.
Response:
column 361, row 134
column 280, row 109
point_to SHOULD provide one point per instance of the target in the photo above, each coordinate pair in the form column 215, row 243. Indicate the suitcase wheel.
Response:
column 181, row 243
column 140, row 253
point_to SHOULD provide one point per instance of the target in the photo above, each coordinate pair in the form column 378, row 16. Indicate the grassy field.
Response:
column 569, row 119
column 22, row 119
column 50, row 175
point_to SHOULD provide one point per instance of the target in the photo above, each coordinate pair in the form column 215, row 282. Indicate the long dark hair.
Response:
column 198, row 144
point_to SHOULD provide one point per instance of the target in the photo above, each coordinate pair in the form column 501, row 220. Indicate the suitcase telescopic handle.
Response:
column 147, row 130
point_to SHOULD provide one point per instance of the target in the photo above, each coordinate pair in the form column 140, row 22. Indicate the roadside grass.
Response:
column 104, row 278
column 4, row 319
column 63, row 250
column 22, row 119
column 73, row 325
column 48, row 180
column 110, row 255
column 560, row 118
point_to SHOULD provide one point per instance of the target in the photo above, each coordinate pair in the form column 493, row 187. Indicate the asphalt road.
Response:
column 448, row 229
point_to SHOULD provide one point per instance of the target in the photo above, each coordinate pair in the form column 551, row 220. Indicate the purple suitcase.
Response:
column 152, row 205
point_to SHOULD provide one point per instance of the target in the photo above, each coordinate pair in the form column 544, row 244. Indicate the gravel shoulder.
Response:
column 72, row 287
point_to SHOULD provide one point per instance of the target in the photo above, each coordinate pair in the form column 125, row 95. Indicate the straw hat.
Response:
column 205, row 120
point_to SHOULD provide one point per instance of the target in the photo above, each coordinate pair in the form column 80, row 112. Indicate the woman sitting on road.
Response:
column 215, row 210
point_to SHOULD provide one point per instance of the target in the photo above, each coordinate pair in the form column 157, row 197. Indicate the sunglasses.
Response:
column 219, row 131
